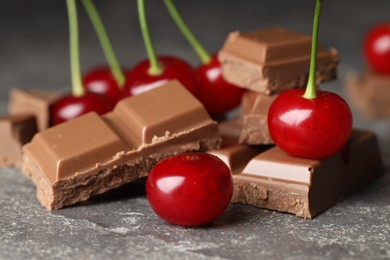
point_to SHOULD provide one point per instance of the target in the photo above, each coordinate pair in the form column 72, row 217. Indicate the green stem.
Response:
column 311, row 84
column 196, row 45
column 104, row 42
column 77, row 85
column 155, row 67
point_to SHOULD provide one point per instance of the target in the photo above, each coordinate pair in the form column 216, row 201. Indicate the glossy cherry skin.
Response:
column 138, row 79
column 100, row 80
column 217, row 95
column 69, row 107
column 377, row 48
column 311, row 128
column 190, row 189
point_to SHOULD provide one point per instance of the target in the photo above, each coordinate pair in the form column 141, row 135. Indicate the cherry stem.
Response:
column 155, row 68
column 196, row 45
column 311, row 92
column 77, row 85
column 104, row 42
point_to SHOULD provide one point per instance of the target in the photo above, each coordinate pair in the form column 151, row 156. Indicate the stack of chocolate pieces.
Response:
column 28, row 114
column 267, row 62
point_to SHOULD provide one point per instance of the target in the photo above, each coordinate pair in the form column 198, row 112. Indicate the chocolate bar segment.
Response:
column 235, row 155
column 254, row 113
column 272, row 60
column 35, row 102
column 75, row 146
column 91, row 154
column 145, row 122
column 370, row 93
column 15, row 131
column 277, row 181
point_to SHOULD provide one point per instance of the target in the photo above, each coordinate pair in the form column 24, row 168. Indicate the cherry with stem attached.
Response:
column 310, row 123
column 108, row 81
column 156, row 71
column 217, row 95
column 79, row 102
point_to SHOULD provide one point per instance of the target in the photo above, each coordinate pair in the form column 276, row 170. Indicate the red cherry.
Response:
column 100, row 80
column 377, row 48
column 138, row 79
column 217, row 95
column 190, row 189
column 312, row 128
column 69, row 107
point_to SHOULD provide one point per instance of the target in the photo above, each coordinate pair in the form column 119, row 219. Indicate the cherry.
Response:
column 139, row 79
column 190, row 189
column 79, row 102
column 377, row 48
column 156, row 71
column 311, row 128
column 103, row 80
column 70, row 106
column 310, row 123
column 217, row 95
column 100, row 80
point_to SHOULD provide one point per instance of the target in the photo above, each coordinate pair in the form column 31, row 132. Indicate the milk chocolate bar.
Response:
column 254, row 114
column 36, row 102
column 306, row 187
column 272, row 60
column 91, row 154
column 15, row 131
column 368, row 93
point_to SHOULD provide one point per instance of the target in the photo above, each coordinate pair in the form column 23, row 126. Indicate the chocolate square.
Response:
column 72, row 148
column 150, row 117
column 254, row 113
column 35, row 102
column 272, row 60
column 15, row 131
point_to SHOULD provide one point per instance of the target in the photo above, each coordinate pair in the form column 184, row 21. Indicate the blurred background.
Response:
column 34, row 34
column 34, row 49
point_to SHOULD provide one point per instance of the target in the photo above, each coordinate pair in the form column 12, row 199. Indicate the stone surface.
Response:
column 121, row 225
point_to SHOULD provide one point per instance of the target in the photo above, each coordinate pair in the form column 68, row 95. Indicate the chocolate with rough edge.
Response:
column 306, row 187
column 35, row 102
column 92, row 154
column 272, row 60
column 370, row 93
column 15, row 131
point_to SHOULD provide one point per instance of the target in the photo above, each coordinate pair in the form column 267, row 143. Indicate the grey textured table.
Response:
column 120, row 224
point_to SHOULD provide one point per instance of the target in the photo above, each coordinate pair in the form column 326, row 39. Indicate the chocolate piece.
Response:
column 89, row 155
column 36, row 102
column 306, row 187
column 254, row 113
column 272, row 60
column 15, row 131
column 236, row 155
column 368, row 93
column 230, row 129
